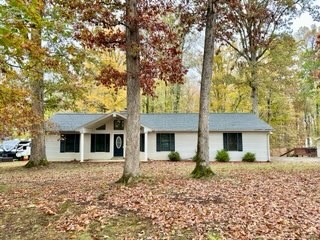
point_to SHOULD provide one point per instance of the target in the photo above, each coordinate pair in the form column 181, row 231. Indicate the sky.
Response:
column 305, row 20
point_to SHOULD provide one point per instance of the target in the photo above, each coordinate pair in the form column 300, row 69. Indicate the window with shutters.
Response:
column 165, row 142
column 100, row 142
column 232, row 141
column 69, row 143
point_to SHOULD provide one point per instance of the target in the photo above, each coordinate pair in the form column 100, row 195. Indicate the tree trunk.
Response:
column 202, row 168
column 147, row 104
column 38, row 151
column 176, row 102
column 254, row 98
column 131, row 166
column 254, row 84
column 269, row 104
column 177, row 87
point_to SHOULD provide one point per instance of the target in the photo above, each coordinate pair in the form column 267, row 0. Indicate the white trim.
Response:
column 124, row 143
column 81, row 147
column 145, row 145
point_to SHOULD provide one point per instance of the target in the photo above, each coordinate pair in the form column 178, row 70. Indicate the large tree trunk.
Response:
column 38, row 151
column 202, row 168
column 131, row 166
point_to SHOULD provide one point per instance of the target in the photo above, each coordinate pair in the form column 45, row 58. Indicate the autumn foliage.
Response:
column 102, row 26
column 15, row 110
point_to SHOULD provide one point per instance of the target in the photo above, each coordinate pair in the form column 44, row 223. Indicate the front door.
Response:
column 118, row 145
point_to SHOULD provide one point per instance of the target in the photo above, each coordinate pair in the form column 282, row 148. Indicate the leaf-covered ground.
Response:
column 80, row 201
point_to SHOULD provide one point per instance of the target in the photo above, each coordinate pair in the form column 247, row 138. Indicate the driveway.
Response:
column 295, row 159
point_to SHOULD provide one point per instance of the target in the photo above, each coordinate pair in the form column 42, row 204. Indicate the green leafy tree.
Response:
column 278, row 88
column 255, row 25
column 309, row 97
column 229, row 90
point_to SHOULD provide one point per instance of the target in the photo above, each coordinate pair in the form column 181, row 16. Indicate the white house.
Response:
column 83, row 136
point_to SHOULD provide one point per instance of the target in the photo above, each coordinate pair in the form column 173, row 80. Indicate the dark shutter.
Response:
column 93, row 142
column 62, row 143
column 107, row 142
column 172, row 142
column 239, row 141
column 158, row 142
column 141, row 142
column 225, row 141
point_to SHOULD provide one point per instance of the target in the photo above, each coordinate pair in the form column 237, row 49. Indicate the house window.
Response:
column 141, row 142
column 232, row 141
column 100, row 142
column 165, row 142
column 118, row 124
column 69, row 143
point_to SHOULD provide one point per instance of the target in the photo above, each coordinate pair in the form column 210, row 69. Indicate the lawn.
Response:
column 80, row 201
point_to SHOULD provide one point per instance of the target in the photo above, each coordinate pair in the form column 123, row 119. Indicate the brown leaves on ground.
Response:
column 243, row 201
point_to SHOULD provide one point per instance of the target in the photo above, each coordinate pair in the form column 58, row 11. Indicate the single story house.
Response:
column 84, row 136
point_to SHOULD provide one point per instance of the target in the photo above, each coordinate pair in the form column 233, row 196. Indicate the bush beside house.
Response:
column 249, row 157
column 174, row 156
column 222, row 156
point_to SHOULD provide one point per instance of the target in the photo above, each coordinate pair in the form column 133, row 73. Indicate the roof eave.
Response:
column 221, row 130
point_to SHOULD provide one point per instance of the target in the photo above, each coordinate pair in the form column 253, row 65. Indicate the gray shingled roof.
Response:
column 71, row 121
column 217, row 122
column 169, row 121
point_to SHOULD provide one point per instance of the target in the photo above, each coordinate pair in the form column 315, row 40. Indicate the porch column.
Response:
column 81, row 147
column 146, row 146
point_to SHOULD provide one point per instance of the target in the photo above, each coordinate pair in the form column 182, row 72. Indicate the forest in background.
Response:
column 73, row 74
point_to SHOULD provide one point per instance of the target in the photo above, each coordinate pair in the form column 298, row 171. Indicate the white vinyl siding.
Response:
column 186, row 145
column 53, row 150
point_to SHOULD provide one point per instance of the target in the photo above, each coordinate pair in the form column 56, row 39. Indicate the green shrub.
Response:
column 174, row 156
column 222, row 156
column 249, row 157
